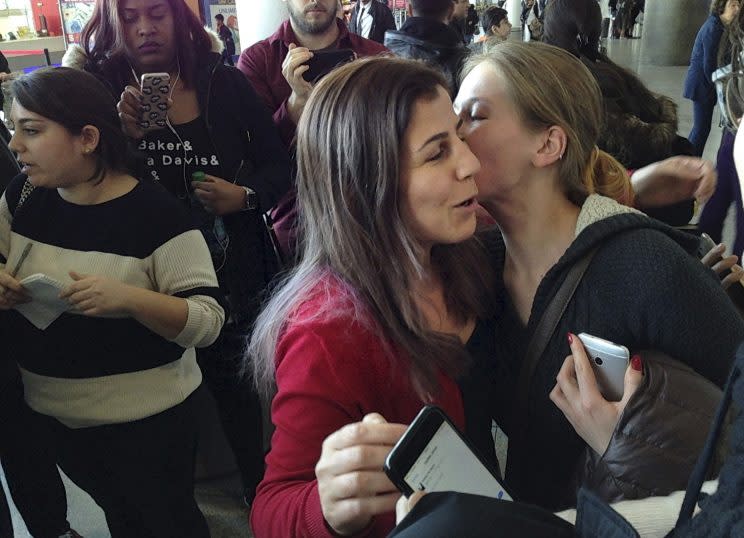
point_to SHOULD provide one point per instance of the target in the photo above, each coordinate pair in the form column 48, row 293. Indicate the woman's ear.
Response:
column 553, row 147
column 90, row 137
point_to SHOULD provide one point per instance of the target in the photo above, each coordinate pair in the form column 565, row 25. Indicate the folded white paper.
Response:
column 45, row 305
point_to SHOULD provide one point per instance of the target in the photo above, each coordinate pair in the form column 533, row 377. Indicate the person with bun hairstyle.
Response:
column 639, row 127
column 532, row 114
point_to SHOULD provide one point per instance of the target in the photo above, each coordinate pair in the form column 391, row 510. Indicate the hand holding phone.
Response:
column 155, row 88
column 351, row 483
column 609, row 361
column 726, row 267
column 433, row 456
column 577, row 392
column 325, row 61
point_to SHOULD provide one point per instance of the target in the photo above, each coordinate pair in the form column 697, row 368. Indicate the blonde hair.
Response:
column 550, row 87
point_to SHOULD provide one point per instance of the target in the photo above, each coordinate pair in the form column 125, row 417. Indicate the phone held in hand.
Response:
column 706, row 244
column 325, row 61
column 155, row 88
column 433, row 456
column 609, row 361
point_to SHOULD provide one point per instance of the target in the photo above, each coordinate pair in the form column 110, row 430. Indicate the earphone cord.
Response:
column 222, row 243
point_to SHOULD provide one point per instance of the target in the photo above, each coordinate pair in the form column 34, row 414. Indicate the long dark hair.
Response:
column 75, row 99
column 349, row 143
column 104, row 42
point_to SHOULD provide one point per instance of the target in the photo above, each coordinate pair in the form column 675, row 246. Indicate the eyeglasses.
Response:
column 729, row 83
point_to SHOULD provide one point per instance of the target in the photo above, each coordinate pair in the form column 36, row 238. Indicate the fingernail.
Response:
column 636, row 363
column 570, row 339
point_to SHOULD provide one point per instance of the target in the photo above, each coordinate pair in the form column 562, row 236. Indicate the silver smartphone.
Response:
column 609, row 361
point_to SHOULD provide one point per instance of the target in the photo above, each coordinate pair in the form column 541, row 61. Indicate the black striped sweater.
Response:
column 89, row 371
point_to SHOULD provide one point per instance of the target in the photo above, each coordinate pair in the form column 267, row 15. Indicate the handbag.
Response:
column 447, row 514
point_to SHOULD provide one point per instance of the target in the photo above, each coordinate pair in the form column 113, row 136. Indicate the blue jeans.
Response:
column 727, row 192
column 702, row 114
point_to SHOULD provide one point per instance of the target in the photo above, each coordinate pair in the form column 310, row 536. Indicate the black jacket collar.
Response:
column 431, row 30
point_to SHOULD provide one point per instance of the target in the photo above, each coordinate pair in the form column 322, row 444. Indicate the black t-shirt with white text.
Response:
column 172, row 157
column 172, row 161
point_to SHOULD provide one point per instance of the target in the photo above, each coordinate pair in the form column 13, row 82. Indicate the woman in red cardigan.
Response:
column 362, row 328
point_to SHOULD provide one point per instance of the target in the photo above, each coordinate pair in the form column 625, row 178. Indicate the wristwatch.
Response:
column 251, row 201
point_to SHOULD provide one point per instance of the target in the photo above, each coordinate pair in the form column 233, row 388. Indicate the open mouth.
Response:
column 470, row 202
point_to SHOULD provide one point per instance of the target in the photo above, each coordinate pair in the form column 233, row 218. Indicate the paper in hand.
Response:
column 45, row 305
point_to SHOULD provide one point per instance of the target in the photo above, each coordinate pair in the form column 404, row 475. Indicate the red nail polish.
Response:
column 636, row 363
column 570, row 339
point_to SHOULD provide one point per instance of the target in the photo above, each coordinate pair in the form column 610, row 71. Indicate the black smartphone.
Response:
column 434, row 456
column 325, row 61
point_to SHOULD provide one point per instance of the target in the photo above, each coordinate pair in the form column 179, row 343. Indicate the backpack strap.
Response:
column 542, row 335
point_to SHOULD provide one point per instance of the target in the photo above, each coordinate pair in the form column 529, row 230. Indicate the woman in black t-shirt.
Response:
column 216, row 125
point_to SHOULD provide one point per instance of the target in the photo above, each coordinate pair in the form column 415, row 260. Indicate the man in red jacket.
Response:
column 275, row 65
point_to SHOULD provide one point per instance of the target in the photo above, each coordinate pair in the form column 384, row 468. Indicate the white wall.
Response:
column 514, row 8
column 258, row 19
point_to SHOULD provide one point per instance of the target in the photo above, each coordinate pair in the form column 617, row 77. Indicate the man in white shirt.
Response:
column 371, row 19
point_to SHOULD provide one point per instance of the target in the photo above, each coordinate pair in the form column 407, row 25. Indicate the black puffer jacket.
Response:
column 422, row 38
column 659, row 436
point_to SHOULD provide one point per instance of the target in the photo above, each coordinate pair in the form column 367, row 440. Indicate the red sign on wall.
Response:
column 397, row 4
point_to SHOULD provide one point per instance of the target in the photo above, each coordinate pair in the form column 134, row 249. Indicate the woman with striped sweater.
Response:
column 111, row 380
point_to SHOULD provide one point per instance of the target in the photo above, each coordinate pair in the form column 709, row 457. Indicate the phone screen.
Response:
column 447, row 464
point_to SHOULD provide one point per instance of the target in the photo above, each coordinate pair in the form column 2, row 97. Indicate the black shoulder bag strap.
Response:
column 543, row 332
column 26, row 191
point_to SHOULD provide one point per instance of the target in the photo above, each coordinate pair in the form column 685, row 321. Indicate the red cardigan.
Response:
column 330, row 372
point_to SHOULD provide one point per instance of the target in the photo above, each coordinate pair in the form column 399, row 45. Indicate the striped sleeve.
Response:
column 5, row 220
column 182, row 267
